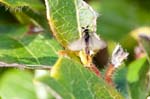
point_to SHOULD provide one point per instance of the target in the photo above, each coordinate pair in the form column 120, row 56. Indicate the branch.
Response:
column 23, row 66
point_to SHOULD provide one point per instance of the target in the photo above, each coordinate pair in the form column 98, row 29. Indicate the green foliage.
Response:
column 119, row 17
column 13, row 86
column 20, row 43
column 63, row 21
column 27, row 50
column 76, row 82
column 137, row 78
column 66, row 24
column 146, row 42
column 28, row 11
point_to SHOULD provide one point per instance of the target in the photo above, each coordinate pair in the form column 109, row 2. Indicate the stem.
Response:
column 109, row 72
column 95, row 70
column 23, row 66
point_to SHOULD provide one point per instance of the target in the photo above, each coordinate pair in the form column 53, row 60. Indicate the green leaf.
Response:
column 121, row 81
column 137, row 78
column 29, row 50
column 63, row 19
column 16, row 84
column 38, row 18
column 66, row 21
column 6, row 16
column 13, row 30
column 33, row 4
column 27, row 11
column 56, row 89
column 133, row 70
column 119, row 17
column 77, row 82
column 146, row 44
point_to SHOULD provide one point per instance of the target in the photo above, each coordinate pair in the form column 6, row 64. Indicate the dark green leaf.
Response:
column 13, row 30
column 29, row 50
column 121, row 81
column 27, row 11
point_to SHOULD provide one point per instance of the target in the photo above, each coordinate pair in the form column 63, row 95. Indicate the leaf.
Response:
column 13, row 30
column 87, row 16
column 119, row 17
column 66, row 21
column 34, row 4
column 77, row 82
column 145, row 40
column 137, row 79
column 29, row 50
column 28, row 11
column 121, row 81
column 133, row 76
column 54, row 88
column 6, row 16
column 16, row 84
column 62, row 19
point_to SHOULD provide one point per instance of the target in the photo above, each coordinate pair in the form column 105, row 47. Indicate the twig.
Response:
column 95, row 70
column 24, row 66
column 109, row 72
column 118, row 56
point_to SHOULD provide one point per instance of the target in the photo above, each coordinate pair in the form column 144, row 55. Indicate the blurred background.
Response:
column 119, row 17
column 121, row 21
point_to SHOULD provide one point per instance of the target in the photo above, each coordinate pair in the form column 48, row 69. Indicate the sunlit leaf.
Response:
column 78, row 82
column 66, row 24
column 16, row 84
column 137, row 78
